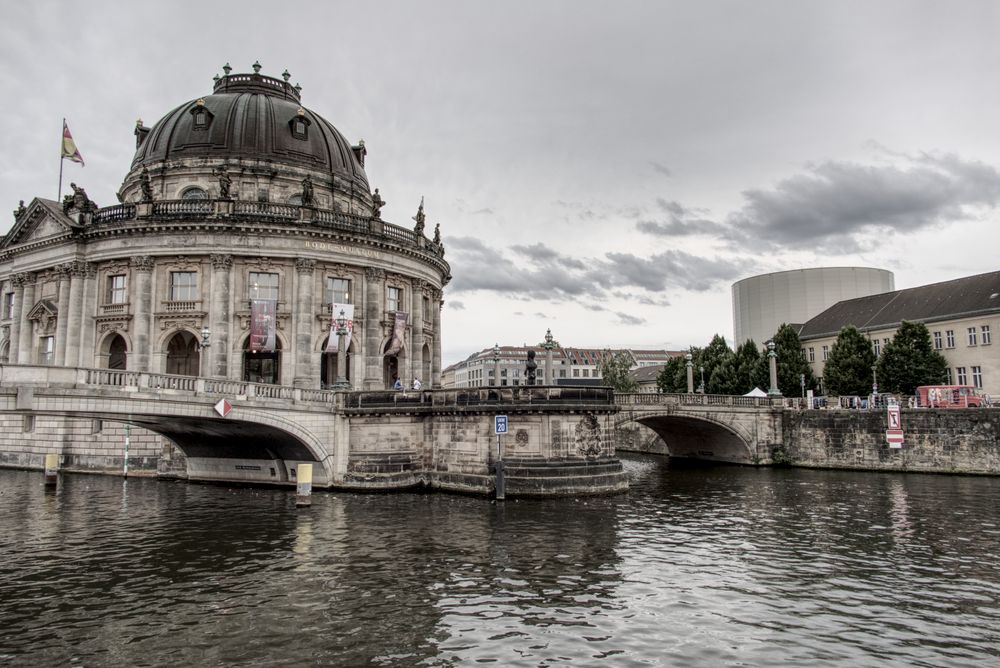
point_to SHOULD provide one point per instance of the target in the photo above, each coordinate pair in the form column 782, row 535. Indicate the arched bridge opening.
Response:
column 695, row 438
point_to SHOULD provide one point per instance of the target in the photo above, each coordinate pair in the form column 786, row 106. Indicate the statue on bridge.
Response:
column 531, row 368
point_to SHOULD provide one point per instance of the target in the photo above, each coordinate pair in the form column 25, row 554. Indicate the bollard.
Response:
column 501, row 483
column 304, row 485
column 51, row 470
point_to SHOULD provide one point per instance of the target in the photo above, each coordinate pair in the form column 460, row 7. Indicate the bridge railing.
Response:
column 653, row 399
column 481, row 397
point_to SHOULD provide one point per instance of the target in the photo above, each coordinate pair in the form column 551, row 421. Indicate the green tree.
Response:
column 751, row 367
column 848, row 369
column 909, row 360
column 615, row 369
column 725, row 377
column 714, row 354
column 792, row 362
column 673, row 378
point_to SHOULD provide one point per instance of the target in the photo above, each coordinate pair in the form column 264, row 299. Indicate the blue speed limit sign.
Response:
column 500, row 424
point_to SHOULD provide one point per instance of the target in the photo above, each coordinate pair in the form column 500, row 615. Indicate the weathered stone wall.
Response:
column 936, row 440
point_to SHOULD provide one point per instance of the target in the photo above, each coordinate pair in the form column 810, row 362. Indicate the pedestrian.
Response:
column 416, row 383
column 398, row 385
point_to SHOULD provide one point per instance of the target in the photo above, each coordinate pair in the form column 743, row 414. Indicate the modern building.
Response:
column 242, row 209
column 570, row 365
column 763, row 303
column 963, row 316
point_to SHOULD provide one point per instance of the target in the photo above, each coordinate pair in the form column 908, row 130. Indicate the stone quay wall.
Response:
column 935, row 440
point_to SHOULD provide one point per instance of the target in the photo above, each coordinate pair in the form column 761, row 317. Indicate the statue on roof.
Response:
column 420, row 218
column 19, row 211
column 307, row 191
column 145, row 186
column 377, row 204
column 437, row 234
column 531, row 368
column 78, row 201
column 224, row 183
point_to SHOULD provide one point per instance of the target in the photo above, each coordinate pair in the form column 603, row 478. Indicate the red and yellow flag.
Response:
column 69, row 149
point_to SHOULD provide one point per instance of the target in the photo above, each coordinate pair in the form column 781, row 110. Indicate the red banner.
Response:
column 263, row 318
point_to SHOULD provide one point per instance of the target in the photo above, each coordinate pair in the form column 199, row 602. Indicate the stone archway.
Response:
column 260, row 366
column 689, row 437
column 114, row 351
column 425, row 364
column 183, row 356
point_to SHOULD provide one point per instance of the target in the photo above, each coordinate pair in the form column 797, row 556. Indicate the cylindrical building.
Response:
column 763, row 303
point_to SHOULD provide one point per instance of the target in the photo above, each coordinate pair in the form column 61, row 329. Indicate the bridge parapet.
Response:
column 485, row 399
column 631, row 400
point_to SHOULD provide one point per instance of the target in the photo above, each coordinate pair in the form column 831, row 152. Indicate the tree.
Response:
column 909, row 361
column 751, row 367
column 615, row 369
column 848, row 369
column 673, row 378
column 711, row 357
column 792, row 362
column 725, row 378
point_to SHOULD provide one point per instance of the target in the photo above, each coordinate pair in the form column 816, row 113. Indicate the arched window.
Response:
column 194, row 192
column 295, row 200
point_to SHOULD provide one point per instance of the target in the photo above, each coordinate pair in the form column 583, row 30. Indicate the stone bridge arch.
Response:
column 697, row 435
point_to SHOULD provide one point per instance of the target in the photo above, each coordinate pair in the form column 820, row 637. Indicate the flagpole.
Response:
column 61, row 159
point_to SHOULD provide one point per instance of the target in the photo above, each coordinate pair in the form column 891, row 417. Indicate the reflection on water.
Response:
column 692, row 567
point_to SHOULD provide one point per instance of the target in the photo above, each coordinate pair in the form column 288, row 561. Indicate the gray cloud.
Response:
column 660, row 168
column 679, row 221
column 839, row 204
column 631, row 320
column 457, row 305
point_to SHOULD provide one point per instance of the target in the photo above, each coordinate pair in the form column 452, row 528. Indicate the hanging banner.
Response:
column 398, row 329
column 263, row 317
column 333, row 342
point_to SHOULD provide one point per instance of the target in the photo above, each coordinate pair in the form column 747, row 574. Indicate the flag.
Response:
column 398, row 329
column 332, row 343
column 69, row 149
column 262, row 324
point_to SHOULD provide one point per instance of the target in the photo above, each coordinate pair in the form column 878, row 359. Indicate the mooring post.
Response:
column 51, row 470
column 304, row 485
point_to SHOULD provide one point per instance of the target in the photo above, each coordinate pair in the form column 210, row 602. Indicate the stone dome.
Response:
column 253, row 117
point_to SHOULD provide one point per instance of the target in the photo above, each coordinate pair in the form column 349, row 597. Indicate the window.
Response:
column 8, row 305
column 262, row 286
column 960, row 372
column 938, row 343
column 987, row 339
column 826, row 353
column 338, row 290
column 948, row 376
column 977, row 377
column 299, row 128
column 194, row 192
column 562, row 373
column 576, row 373
column 885, row 343
column 972, row 336
column 393, row 297
column 812, row 354
column 877, row 347
column 586, row 373
column 950, row 338
column 183, row 286
column 200, row 119
column 116, row 289
column 427, row 309
column 46, row 350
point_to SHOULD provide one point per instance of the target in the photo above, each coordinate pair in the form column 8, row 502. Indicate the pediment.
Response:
column 43, row 310
column 42, row 219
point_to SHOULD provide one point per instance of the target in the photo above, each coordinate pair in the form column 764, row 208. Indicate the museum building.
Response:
column 241, row 209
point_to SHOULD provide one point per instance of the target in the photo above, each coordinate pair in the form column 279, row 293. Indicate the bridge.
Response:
column 560, row 441
column 720, row 428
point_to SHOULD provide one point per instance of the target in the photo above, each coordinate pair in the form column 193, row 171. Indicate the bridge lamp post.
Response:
column 548, row 345
column 701, row 386
column 772, row 363
column 874, row 379
column 802, row 384
column 690, row 373
column 341, row 322
column 203, row 345
column 496, row 364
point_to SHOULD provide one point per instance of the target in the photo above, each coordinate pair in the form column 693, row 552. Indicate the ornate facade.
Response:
column 239, row 195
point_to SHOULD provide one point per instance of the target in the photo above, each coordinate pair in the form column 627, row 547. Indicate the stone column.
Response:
column 26, row 336
column 417, row 334
column 62, row 319
column 302, row 324
column 142, row 299
column 88, row 313
column 374, row 296
column 437, row 304
column 218, row 316
column 75, row 316
column 17, row 281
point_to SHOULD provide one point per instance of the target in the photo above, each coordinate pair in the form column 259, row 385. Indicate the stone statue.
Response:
column 420, row 218
column 377, row 204
column 437, row 234
column 224, row 183
column 19, row 211
column 145, row 187
column 531, row 367
column 79, row 197
column 307, row 191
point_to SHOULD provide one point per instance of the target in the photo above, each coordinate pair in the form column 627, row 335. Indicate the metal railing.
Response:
column 110, row 214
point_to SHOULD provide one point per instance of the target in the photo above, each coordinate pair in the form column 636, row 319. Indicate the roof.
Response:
column 646, row 374
column 958, row 298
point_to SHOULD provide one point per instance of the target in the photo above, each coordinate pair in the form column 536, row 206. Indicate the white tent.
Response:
column 756, row 392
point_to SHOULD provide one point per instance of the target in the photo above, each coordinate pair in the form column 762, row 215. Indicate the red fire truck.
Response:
column 948, row 396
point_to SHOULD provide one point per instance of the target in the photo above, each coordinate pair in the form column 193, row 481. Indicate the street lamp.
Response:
column 802, row 384
column 548, row 345
column 701, row 386
column 772, row 363
column 341, row 322
column 690, row 373
column 496, row 364
column 874, row 379
column 203, row 345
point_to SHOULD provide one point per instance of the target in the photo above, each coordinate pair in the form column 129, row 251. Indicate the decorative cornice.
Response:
column 22, row 279
column 305, row 265
column 374, row 274
column 142, row 262
column 220, row 261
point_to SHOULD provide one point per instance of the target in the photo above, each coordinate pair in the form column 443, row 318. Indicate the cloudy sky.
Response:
column 606, row 169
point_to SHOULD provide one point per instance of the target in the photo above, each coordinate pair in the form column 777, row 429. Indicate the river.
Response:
column 693, row 567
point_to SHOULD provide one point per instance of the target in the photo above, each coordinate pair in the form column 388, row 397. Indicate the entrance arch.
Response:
column 183, row 356
column 260, row 366
column 690, row 437
column 425, row 364
column 328, row 364
column 115, row 352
